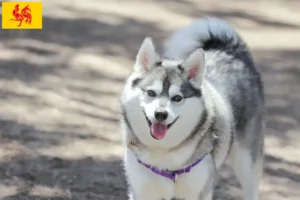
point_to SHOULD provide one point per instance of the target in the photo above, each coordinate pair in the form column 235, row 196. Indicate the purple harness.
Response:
column 171, row 174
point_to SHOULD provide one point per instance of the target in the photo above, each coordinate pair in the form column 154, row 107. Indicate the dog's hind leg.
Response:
column 247, row 158
column 248, row 172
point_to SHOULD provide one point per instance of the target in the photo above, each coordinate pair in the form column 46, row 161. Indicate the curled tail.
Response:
column 210, row 34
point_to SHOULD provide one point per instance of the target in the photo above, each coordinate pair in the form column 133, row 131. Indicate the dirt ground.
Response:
column 59, row 92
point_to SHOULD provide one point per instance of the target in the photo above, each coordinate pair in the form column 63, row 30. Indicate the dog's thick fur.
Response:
column 220, row 115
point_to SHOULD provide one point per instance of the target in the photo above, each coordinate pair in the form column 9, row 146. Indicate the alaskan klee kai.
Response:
column 187, row 110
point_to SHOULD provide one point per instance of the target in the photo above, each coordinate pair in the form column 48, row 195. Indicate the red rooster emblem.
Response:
column 25, row 14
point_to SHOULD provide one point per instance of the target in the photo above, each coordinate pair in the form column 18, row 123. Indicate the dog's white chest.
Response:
column 190, row 185
column 149, row 185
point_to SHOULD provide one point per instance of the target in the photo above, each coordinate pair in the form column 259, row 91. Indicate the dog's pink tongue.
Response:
column 159, row 130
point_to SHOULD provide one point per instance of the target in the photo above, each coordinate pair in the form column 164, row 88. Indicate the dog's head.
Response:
column 169, row 95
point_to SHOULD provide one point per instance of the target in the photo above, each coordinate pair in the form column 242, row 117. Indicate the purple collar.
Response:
column 171, row 174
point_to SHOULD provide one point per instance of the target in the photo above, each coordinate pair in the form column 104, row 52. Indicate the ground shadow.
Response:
column 29, row 135
column 80, row 33
column 281, row 76
column 86, row 178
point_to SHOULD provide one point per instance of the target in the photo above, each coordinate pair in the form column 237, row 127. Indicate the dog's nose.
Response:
column 161, row 115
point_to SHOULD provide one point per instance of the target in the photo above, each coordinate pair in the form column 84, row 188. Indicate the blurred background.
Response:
column 59, row 90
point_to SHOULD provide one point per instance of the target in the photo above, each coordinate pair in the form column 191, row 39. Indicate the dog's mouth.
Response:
column 158, row 130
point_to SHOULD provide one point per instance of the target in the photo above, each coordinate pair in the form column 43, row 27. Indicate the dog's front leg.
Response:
column 144, row 184
column 146, row 188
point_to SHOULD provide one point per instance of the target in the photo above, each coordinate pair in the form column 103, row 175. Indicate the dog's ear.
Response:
column 146, row 56
column 194, row 65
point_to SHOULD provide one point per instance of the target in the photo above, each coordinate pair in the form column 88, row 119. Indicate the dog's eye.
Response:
column 177, row 98
column 151, row 93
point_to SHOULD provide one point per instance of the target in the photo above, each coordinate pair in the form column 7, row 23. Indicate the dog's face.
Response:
column 169, row 94
column 167, row 98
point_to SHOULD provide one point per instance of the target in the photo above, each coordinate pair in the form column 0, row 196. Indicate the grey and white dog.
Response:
column 189, row 109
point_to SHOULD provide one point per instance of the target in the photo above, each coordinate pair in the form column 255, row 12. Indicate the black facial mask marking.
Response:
column 188, row 90
column 166, row 86
column 136, row 81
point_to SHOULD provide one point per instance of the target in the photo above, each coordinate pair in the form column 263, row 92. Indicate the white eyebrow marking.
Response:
column 156, row 87
column 173, row 90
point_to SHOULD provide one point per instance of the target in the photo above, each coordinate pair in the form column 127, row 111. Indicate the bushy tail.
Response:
column 209, row 34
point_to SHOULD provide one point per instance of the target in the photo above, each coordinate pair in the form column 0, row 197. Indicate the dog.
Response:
column 189, row 109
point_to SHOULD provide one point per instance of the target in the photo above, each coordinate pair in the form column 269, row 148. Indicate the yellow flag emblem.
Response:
column 22, row 15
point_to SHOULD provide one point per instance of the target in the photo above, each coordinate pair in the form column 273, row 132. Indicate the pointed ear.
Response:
column 146, row 56
column 194, row 65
